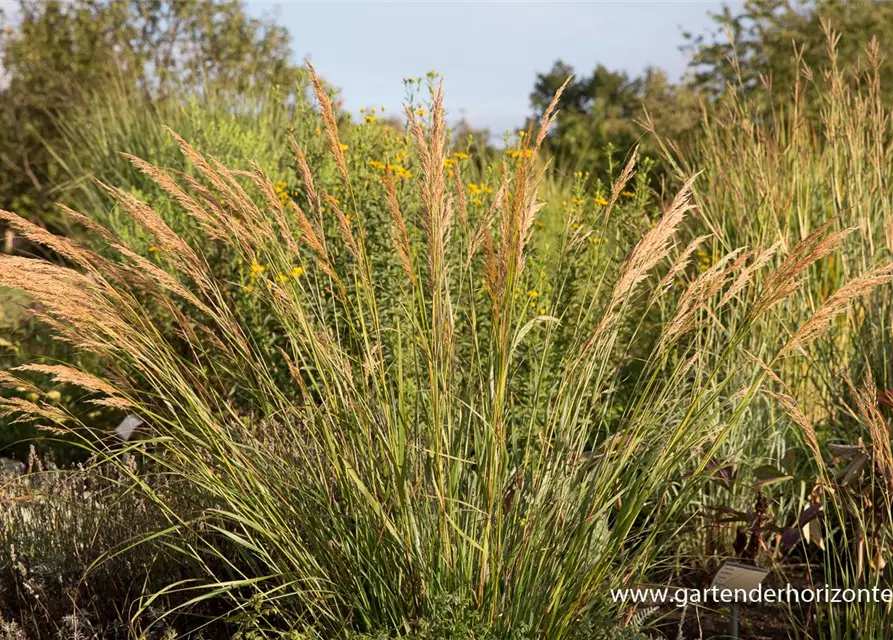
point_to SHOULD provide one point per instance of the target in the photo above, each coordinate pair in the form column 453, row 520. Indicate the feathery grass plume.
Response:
column 26, row 411
column 63, row 293
column 462, row 200
column 203, row 166
column 9, row 381
column 793, row 410
column 760, row 259
column 67, row 375
column 311, row 239
column 652, row 249
column 331, row 124
column 866, row 402
column 238, row 229
column 481, row 237
column 549, row 116
column 836, row 304
column 654, row 246
column 230, row 227
column 769, row 372
column 399, row 234
column 212, row 225
column 239, row 198
column 147, row 271
column 681, row 262
column 308, row 232
column 306, row 174
column 698, row 295
column 38, row 235
column 625, row 176
column 344, row 224
column 438, row 216
column 265, row 186
column 786, row 278
column 169, row 242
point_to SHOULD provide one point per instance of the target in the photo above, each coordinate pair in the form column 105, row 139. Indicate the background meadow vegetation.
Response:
column 397, row 381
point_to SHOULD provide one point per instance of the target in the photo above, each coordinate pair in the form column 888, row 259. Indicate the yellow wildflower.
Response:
column 297, row 272
column 600, row 200
column 257, row 269
column 344, row 147
column 628, row 194
column 449, row 163
column 369, row 118
column 533, row 293
column 460, row 156
column 282, row 277
column 153, row 249
column 421, row 112
column 248, row 287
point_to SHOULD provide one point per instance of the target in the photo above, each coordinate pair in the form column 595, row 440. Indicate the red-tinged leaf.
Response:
column 885, row 397
column 809, row 514
column 790, row 537
column 845, row 451
column 767, row 474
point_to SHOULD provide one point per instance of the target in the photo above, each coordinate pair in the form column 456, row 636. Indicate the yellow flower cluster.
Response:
column 281, row 189
column 479, row 189
column 460, row 156
column 519, row 153
column 599, row 200
column 256, row 269
column 370, row 116
column 397, row 170
column 704, row 260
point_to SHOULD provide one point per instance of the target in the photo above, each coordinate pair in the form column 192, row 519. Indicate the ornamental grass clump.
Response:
column 437, row 437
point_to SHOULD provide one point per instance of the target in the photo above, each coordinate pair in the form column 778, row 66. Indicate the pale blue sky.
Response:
column 489, row 52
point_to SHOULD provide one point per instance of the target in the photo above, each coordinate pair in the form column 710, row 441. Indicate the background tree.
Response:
column 757, row 39
column 602, row 113
column 56, row 54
